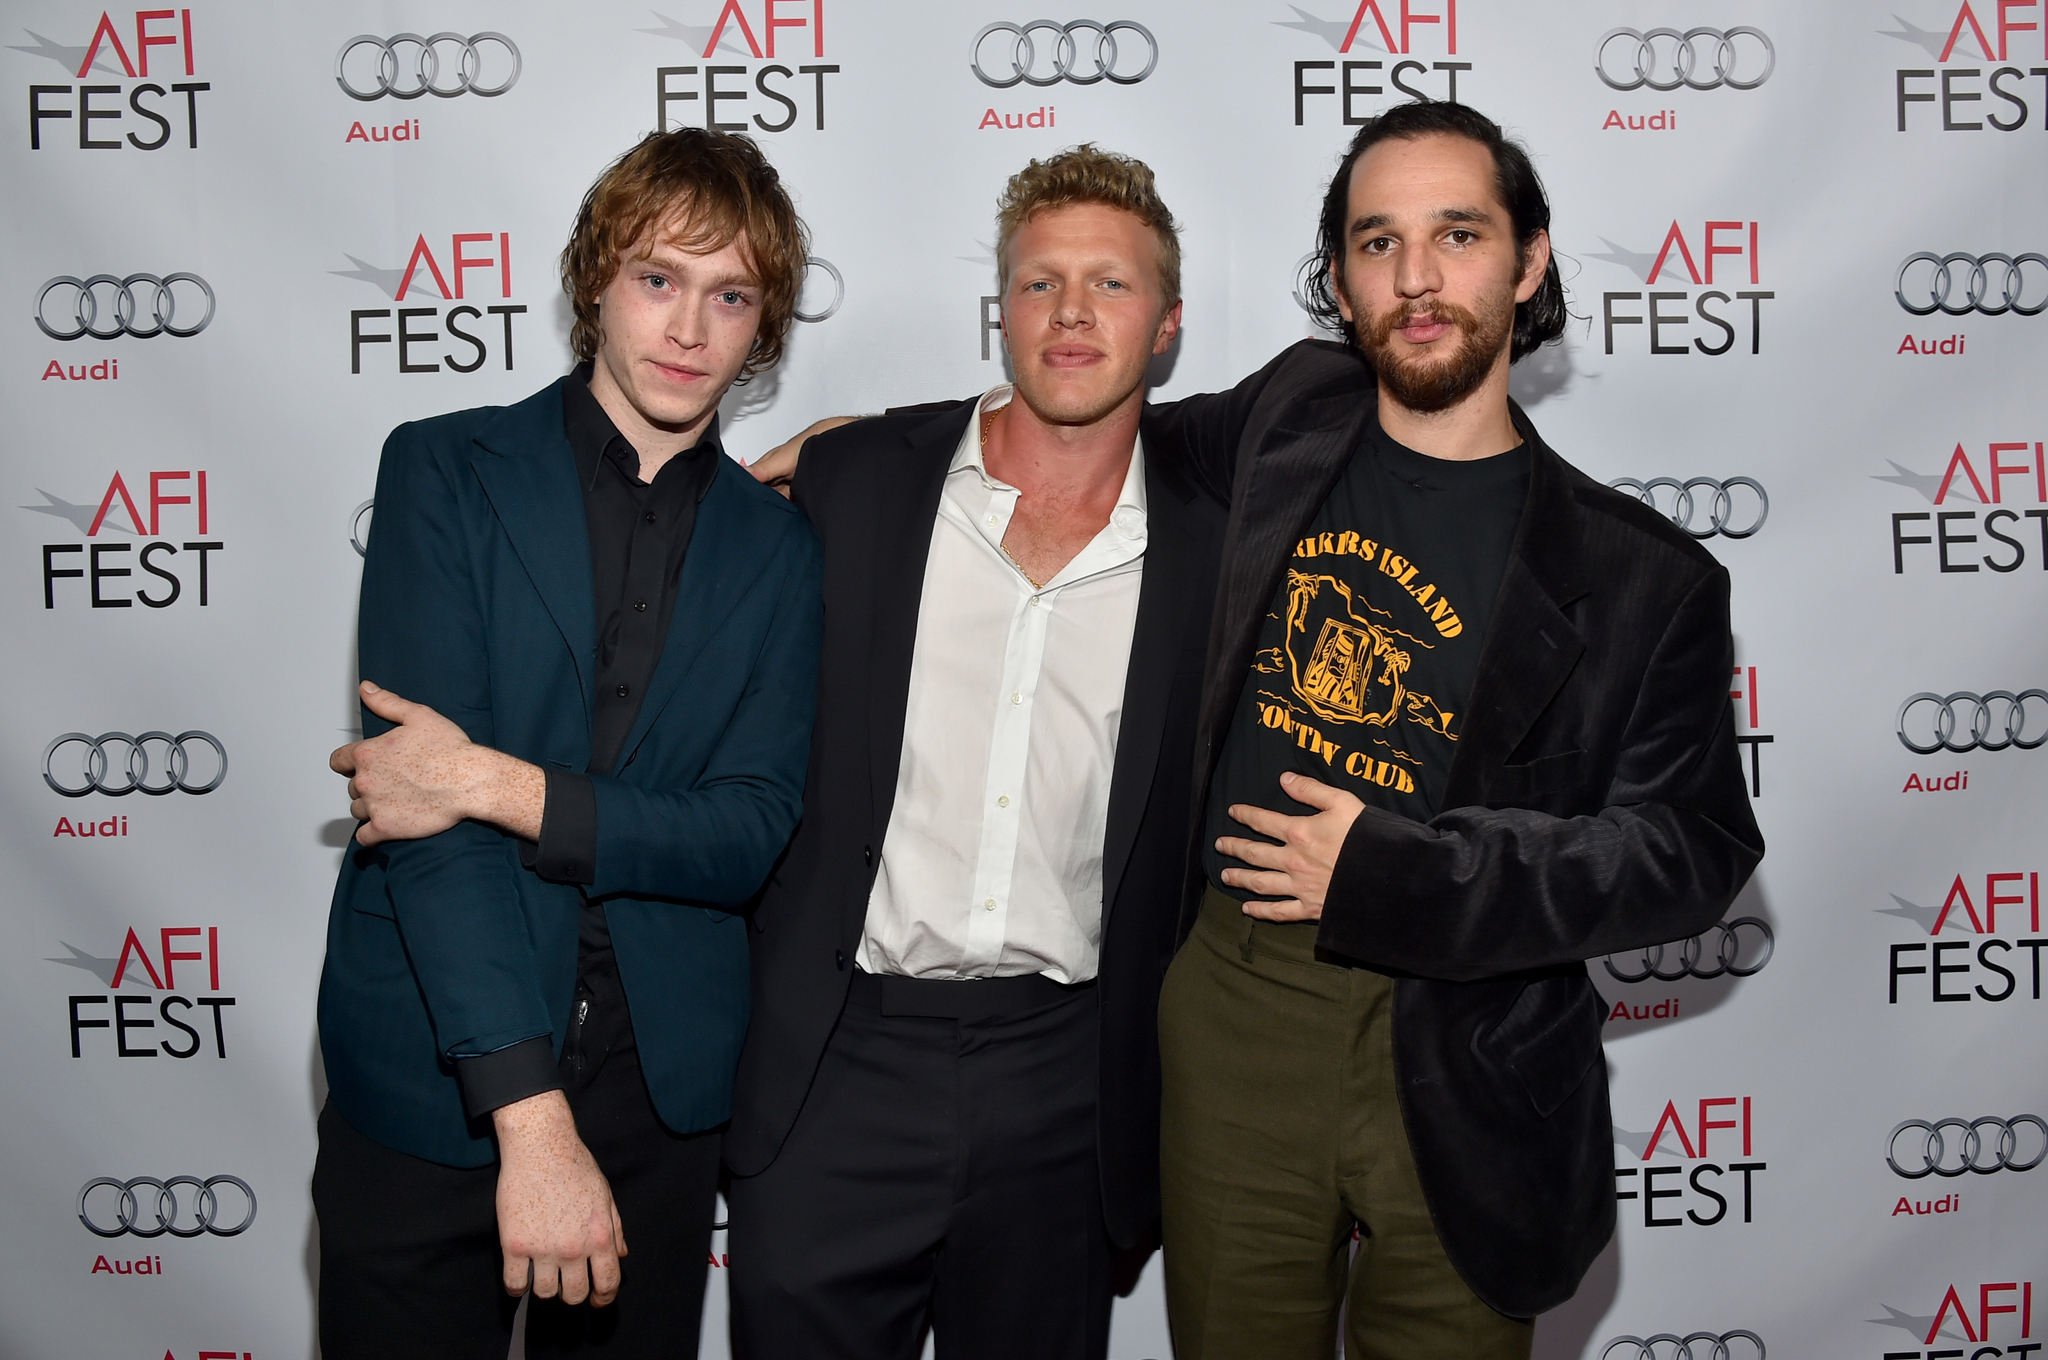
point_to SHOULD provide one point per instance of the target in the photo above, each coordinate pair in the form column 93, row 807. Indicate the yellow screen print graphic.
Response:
column 1346, row 664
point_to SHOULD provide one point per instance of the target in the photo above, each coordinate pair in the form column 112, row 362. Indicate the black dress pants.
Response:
column 409, row 1259
column 943, row 1172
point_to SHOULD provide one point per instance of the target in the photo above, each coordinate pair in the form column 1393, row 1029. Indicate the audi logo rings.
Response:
column 1940, row 285
column 1721, row 1347
column 359, row 527
column 126, row 308
column 421, row 73
column 1932, row 1153
column 1985, row 719
column 838, row 290
column 1068, row 62
column 97, row 772
column 1667, row 67
column 1720, row 508
column 1728, row 950
column 135, row 1216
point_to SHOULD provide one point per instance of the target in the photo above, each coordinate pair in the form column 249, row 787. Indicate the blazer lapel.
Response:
column 1166, row 610
column 1531, row 647
column 902, row 540
column 525, row 465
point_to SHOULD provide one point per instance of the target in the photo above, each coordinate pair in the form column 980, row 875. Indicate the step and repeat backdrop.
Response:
column 1807, row 249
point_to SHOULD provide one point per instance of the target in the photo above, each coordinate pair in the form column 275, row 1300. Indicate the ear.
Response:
column 1535, row 261
column 1337, row 291
column 1169, row 326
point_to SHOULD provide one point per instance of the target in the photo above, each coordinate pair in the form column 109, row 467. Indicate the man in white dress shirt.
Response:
column 947, row 1111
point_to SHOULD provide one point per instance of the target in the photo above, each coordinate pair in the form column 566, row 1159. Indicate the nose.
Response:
column 685, row 323
column 1418, row 272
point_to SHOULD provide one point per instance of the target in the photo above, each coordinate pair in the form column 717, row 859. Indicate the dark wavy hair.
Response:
column 725, row 189
column 1538, row 321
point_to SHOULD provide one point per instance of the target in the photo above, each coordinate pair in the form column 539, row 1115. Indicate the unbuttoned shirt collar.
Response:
column 989, row 504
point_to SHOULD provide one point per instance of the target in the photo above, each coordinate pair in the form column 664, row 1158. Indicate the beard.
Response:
column 1438, row 383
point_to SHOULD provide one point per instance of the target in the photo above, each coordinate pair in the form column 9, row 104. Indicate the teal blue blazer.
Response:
column 477, row 600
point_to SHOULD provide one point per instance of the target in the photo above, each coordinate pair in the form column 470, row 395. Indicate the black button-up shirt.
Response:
column 639, row 534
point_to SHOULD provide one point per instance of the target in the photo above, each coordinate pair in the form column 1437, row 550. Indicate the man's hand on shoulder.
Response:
column 557, row 1224
column 777, row 467
column 425, row 775
column 1298, row 869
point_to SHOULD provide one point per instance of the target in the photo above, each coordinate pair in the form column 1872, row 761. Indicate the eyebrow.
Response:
column 1377, row 220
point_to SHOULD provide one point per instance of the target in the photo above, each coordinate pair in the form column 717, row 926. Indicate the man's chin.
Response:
column 1058, row 403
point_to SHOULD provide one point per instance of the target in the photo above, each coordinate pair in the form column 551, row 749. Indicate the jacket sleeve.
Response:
column 1199, row 435
column 1477, row 892
column 421, row 633
column 715, row 842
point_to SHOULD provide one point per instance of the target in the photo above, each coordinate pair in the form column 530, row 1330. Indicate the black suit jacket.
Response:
column 1595, row 804
column 872, row 491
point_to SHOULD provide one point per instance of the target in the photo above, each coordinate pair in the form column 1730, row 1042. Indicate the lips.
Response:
column 676, row 373
column 1420, row 330
column 1070, row 356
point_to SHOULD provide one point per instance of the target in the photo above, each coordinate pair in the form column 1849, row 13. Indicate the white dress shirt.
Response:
column 992, row 863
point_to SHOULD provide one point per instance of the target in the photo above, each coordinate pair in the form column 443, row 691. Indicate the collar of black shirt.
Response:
column 596, row 441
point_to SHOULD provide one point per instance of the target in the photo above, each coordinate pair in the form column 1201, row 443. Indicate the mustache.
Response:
column 1435, row 313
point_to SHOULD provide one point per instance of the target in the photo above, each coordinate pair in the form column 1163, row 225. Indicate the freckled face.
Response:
column 677, row 326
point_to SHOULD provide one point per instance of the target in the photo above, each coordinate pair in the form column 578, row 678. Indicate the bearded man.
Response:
column 1464, row 725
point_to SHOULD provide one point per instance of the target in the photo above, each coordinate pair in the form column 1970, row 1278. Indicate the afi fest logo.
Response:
column 758, row 66
column 1961, row 956
column 466, row 271
column 1717, row 258
column 2005, row 38
column 1703, row 1187
column 150, row 1006
column 409, row 66
column 112, row 97
column 2006, row 1307
column 1417, row 46
column 1995, row 478
column 130, row 556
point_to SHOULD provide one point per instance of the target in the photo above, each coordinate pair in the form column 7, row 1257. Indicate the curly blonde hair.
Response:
column 1086, row 174
column 724, row 188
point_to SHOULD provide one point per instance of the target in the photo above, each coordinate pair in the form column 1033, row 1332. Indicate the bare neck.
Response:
column 1477, row 427
column 1079, row 469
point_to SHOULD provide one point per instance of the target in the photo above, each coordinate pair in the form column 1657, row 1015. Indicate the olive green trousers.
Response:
column 1290, row 1196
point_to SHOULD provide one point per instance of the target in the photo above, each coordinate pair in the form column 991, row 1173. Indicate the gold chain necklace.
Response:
column 987, row 422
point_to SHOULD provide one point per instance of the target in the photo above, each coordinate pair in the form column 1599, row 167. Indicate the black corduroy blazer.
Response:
column 1595, row 804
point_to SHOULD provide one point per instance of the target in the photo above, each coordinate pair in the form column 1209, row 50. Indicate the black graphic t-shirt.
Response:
column 1366, row 659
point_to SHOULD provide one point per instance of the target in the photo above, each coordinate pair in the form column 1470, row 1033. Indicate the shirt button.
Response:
column 1016, row 698
column 640, row 606
column 992, row 519
column 622, row 691
column 989, row 905
column 1003, row 801
column 1034, row 602
column 650, row 517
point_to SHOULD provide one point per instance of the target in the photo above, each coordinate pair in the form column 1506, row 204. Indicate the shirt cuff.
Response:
column 493, row 1080
column 567, row 852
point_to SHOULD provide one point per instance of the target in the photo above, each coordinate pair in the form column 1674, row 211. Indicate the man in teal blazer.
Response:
column 605, row 637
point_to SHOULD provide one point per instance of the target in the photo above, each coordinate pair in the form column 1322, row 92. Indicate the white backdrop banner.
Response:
column 1807, row 247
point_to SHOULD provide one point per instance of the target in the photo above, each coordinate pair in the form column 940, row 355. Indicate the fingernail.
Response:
column 372, row 686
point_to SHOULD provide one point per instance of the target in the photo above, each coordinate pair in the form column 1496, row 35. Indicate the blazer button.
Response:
column 867, row 852
column 839, row 959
